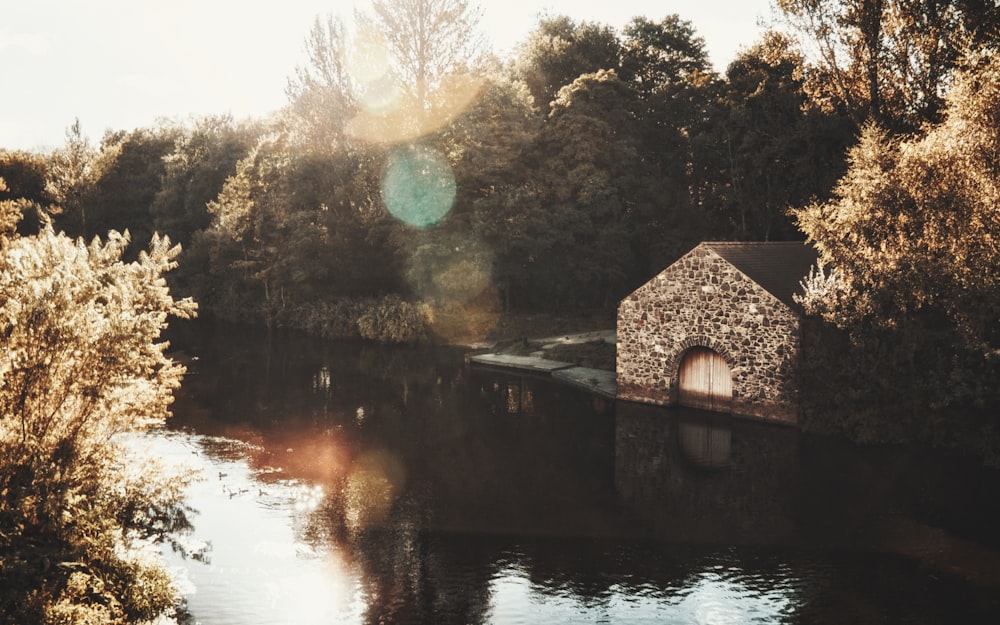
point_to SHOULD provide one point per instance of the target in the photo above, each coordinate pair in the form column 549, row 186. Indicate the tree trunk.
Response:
column 873, row 11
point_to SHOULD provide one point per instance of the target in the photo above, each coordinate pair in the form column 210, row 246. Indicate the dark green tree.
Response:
column 658, row 57
column 202, row 158
column 592, row 183
column 496, row 193
column 25, row 176
column 248, row 237
column 667, row 66
column 560, row 50
column 773, row 147
column 121, row 182
column 292, row 228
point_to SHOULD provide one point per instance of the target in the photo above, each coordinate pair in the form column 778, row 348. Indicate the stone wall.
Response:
column 702, row 300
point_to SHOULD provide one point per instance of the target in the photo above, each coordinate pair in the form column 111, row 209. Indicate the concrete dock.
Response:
column 597, row 381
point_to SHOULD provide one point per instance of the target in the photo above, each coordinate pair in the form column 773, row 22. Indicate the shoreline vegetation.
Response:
column 82, row 372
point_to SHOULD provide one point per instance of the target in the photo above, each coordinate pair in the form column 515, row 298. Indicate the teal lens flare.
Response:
column 418, row 186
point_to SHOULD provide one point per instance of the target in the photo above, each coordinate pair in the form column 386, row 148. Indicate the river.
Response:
column 356, row 483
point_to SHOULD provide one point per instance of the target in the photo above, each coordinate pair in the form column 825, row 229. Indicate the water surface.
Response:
column 349, row 483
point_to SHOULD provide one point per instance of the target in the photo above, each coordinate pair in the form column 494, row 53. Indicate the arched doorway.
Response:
column 705, row 381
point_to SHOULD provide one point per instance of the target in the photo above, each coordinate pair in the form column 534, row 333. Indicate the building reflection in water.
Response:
column 706, row 477
column 510, row 394
column 704, row 443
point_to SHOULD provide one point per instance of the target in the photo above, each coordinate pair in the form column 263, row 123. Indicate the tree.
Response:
column 293, row 228
column 890, row 60
column 592, row 183
column 661, row 56
column 25, row 177
column 70, row 178
column 491, row 137
column 493, row 141
column 560, row 50
column 320, row 94
column 908, row 242
column 667, row 65
column 10, row 211
column 773, row 147
column 429, row 40
column 410, row 68
column 126, row 174
column 201, row 160
column 245, row 241
column 81, row 370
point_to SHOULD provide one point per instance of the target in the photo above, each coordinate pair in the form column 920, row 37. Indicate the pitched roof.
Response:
column 778, row 267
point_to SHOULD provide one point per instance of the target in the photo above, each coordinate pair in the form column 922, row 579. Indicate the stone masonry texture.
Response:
column 703, row 300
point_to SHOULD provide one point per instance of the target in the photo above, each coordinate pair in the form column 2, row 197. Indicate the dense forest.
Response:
column 394, row 191
column 417, row 187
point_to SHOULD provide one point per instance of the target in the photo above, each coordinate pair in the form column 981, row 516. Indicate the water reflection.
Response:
column 697, row 476
column 513, row 396
column 260, row 564
column 357, row 484
column 704, row 443
column 723, row 598
column 712, row 596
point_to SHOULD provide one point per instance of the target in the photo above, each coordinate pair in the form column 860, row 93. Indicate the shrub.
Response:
column 80, row 372
column 394, row 320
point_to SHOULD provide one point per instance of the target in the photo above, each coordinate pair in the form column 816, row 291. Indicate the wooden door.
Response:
column 704, row 381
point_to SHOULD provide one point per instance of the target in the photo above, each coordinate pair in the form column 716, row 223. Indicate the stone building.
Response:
column 717, row 330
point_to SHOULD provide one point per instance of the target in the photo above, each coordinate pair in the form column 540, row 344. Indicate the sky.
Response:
column 124, row 64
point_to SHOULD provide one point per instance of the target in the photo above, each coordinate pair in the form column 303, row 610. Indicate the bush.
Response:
column 393, row 320
column 389, row 319
column 81, row 372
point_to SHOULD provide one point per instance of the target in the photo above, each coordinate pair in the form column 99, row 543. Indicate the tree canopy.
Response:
column 908, row 242
column 890, row 60
column 590, row 162
column 912, row 226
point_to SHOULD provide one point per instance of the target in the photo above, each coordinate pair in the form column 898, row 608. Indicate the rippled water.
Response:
column 350, row 484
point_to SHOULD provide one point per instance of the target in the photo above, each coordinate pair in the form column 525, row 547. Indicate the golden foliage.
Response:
column 81, row 370
column 914, row 225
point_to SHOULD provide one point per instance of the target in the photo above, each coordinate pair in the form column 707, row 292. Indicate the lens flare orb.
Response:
column 418, row 186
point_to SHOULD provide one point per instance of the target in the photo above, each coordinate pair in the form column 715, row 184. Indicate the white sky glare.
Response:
column 123, row 64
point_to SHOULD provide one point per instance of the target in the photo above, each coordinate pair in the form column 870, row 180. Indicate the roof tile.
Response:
column 778, row 267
